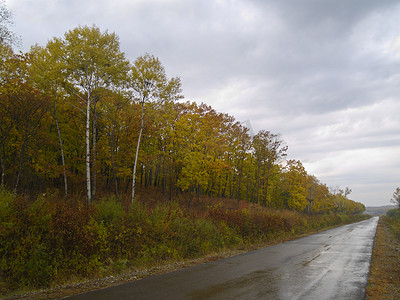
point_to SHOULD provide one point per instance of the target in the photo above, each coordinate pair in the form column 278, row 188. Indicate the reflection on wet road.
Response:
column 333, row 264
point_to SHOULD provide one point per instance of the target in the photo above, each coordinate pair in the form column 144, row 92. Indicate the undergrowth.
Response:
column 392, row 219
column 47, row 241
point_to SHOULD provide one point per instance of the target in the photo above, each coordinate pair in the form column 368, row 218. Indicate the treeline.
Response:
column 77, row 115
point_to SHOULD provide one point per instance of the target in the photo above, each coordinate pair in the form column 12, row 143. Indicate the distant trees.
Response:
column 396, row 197
column 77, row 115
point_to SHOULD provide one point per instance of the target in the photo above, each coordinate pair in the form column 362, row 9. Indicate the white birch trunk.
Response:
column 2, row 172
column 88, row 183
column 61, row 150
column 94, row 155
column 137, row 154
column 112, row 147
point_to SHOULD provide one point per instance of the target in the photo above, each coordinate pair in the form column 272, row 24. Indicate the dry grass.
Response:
column 384, row 277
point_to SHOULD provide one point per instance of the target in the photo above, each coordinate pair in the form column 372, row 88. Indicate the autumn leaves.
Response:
column 91, row 118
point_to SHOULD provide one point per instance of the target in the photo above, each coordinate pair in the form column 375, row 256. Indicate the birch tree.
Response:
column 89, row 61
column 268, row 150
column 44, row 73
column 150, row 85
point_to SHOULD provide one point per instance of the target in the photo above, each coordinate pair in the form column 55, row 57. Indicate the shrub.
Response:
column 393, row 213
column 50, row 240
column 6, row 204
column 109, row 210
column 393, row 220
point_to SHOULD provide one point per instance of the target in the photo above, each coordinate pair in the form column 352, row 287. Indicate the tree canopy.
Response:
column 78, row 115
column 396, row 197
column 7, row 37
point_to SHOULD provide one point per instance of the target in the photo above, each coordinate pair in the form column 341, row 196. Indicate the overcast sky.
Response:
column 323, row 74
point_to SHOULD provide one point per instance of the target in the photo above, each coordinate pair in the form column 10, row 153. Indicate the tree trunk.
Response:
column 21, row 159
column 3, row 170
column 198, row 192
column 156, row 175
column 112, row 155
column 137, row 153
column 240, row 180
column 231, row 196
column 94, row 150
column 61, row 150
column 88, row 182
column 141, row 174
column 264, row 201
column 258, row 182
column 191, row 198
column 170, row 184
column 146, row 176
column 150, row 173
column 3, row 155
column 267, row 185
column 225, row 185
column 265, row 198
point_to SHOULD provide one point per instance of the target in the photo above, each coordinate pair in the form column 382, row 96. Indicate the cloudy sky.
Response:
column 323, row 74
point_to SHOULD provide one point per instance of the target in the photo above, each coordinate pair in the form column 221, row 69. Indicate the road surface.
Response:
column 333, row 264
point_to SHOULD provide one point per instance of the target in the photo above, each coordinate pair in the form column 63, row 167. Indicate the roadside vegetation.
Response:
column 392, row 219
column 49, row 241
column 384, row 277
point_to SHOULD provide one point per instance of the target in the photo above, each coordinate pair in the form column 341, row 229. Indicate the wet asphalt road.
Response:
column 333, row 264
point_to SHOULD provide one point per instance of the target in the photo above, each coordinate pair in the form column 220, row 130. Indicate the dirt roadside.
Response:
column 384, row 275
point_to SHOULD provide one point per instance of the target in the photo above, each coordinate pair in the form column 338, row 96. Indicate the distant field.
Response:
column 378, row 210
